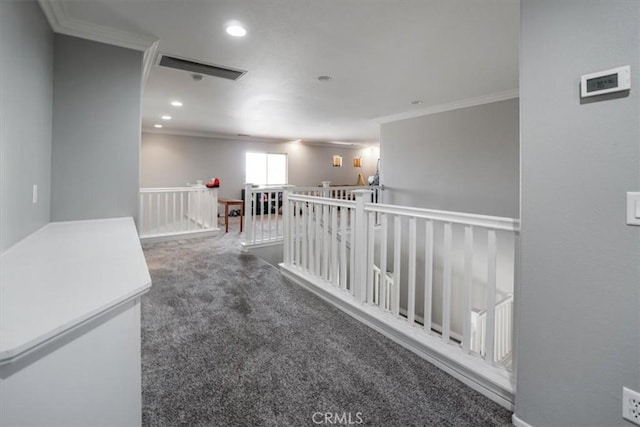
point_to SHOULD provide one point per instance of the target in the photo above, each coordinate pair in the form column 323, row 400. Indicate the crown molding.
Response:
column 212, row 135
column 456, row 105
column 216, row 135
column 61, row 22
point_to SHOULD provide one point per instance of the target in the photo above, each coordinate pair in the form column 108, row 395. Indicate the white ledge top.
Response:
column 63, row 275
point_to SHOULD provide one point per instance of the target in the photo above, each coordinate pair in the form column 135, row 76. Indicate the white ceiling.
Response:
column 382, row 55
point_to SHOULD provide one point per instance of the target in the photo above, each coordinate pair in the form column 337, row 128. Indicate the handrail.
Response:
column 486, row 221
column 322, row 200
column 171, row 189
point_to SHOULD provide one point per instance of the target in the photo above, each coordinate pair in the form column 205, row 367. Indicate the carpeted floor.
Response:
column 226, row 341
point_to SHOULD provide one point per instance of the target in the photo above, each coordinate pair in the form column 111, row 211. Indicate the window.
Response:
column 266, row 168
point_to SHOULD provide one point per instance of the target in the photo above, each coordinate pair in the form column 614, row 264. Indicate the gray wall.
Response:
column 464, row 160
column 26, row 85
column 96, row 130
column 172, row 161
column 579, row 330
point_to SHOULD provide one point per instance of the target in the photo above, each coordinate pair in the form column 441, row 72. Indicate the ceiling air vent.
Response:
column 199, row 67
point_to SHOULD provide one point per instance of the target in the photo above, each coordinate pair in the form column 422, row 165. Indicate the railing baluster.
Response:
column 382, row 298
column 166, row 210
column 492, row 258
column 173, row 210
column 370, row 253
column 397, row 253
column 296, row 232
column 352, row 253
column 141, row 223
column 311, row 237
column 334, row 246
column 325, row 242
column 428, row 275
column 182, row 210
column 305, row 243
column 269, row 193
column 467, row 288
column 411, row 286
column 286, row 245
column 158, row 210
column 446, row 285
column 318, row 239
column 277, row 216
column 344, row 214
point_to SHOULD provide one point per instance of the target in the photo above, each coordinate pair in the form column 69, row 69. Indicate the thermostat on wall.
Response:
column 608, row 81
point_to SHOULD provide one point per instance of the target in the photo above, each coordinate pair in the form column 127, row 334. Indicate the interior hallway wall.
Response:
column 26, row 88
column 174, row 160
column 579, row 323
column 464, row 160
column 96, row 130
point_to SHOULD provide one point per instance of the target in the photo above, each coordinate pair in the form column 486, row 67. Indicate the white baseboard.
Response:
column 492, row 382
column 179, row 236
column 263, row 244
column 517, row 422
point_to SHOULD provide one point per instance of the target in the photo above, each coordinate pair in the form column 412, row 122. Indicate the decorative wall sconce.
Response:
column 357, row 162
column 337, row 161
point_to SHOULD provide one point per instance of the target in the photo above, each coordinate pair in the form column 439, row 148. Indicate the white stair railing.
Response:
column 263, row 213
column 177, row 211
column 503, row 333
column 437, row 265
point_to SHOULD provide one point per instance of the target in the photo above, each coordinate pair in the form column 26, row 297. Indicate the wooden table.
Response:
column 231, row 202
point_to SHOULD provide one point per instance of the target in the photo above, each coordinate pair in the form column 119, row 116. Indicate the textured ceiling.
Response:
column 382, row 55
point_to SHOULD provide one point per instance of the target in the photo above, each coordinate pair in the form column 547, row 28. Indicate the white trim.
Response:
column 227, row 136
column 486, row 221
column 518, row 422
column 275, row 241
column 456, row 105
column 61, row 22
column 213, row 135
column 494, row 383
column 150, row 238
column 149, row 60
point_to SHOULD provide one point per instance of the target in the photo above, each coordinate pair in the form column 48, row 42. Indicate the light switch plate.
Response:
column 633, row 208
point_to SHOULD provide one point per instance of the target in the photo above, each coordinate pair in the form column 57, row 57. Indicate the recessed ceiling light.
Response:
column 418, row 102
column 236, row 30
column 176, row 103
column 165, row 117
column 157, row 126
column 325, row 78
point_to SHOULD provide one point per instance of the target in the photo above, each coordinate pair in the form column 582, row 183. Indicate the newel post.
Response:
column 286, row 225
column 326, row 190
column 248, row 213
column 360, row 250
column 214, row 208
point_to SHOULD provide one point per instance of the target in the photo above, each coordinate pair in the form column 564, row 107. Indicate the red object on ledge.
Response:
column 214, row 183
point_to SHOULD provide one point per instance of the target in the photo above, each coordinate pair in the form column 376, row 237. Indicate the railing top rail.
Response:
column 322, row 201
column 339, row 187
column 267, row 187
column 172, row 189
column 486, row 221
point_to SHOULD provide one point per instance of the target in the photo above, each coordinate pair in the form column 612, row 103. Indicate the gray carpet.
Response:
column 226, row 341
